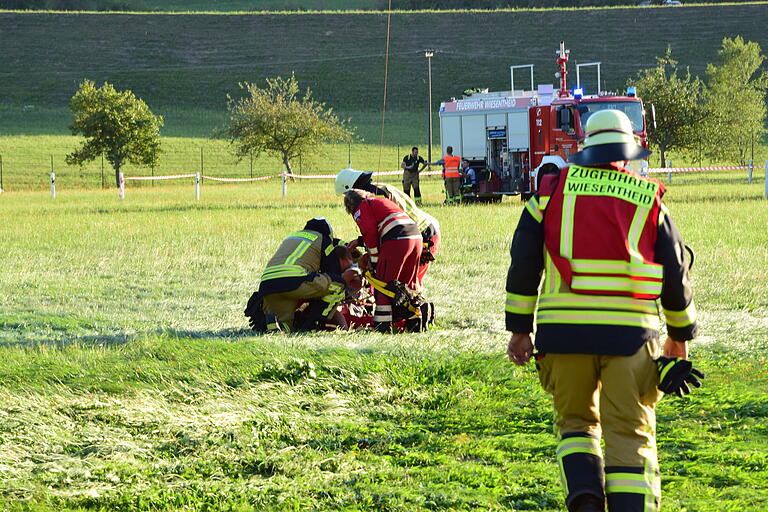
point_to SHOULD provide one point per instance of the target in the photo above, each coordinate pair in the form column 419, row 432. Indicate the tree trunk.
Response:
column 117, row 172
column 287, row 164
column 663, row 155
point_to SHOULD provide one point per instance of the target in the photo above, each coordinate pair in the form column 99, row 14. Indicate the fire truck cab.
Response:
column 504, row 135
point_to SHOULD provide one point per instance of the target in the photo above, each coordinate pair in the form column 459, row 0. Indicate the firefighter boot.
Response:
column 273, row 324
column 587, row 503
column 383, row 327
column 632, row 489
column 417, row 200
column 581, row 469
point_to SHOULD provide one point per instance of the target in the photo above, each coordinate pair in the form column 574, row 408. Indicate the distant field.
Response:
column 181, row 63
column 27, row 161
column 265, row 5
column 130, row 383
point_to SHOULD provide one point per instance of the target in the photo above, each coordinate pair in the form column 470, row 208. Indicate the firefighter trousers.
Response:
column 613, row 397
column 411, row 179
column 398, row 259
column 284, row 304
column 452, row 190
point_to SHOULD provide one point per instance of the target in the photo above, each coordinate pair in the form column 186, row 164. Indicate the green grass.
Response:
column 189, row 63
column 129, row 381
column 261, row 5
column 26, row 166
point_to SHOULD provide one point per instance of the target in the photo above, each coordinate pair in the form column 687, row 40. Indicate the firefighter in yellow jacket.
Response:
column 307, row 267
column 607, row 248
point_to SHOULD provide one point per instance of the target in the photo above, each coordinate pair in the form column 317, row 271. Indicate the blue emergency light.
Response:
column 631, row 92
column 578, row 93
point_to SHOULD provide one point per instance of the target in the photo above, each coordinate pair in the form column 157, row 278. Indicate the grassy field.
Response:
column 27, row 161
column 261, row 5
column 185, row 65
column 129, row 381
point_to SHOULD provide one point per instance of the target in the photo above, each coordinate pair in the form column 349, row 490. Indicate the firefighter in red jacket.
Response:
column 608, row 248
column 393, row 241
column 429, row 227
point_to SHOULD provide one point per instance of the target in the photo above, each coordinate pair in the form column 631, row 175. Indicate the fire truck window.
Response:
column 633, row 110
column 565, row 119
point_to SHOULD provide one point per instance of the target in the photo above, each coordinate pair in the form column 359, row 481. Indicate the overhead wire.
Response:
column 386, row 76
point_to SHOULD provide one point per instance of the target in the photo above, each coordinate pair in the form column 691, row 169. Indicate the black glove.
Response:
column 426, row 257
column 675, row 374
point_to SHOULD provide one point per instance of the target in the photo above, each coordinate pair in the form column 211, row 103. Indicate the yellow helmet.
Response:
column 609, row 138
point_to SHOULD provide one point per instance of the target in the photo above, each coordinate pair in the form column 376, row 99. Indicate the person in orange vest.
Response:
column 451, row 175
column 607, row 248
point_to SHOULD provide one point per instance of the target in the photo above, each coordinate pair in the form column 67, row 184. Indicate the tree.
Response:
column 277, row 121
column 116, row 124
column 676, row 98
column 736, row 100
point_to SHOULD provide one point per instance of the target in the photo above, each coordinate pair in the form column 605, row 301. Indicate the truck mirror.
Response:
column 653, row 116
column 566, row 119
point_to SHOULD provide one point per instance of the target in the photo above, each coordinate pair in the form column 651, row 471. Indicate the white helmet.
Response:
column 346, row 179
column 609, row 138
column 552, row 159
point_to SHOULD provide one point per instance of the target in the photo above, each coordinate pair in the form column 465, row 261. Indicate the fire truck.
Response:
column 505, row 135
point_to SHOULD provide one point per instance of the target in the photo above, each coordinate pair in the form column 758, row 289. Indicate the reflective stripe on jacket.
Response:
column 600, row 232
column 451, row 166
column 380, row 220
column 296, row 256
column 299, row 258
column 422, row 219
column 596, row 323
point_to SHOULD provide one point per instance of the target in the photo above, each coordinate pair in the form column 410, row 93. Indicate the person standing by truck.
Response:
column 451, row 175
column 410, row 166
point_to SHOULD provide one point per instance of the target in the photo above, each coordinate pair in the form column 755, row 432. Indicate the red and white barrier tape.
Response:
column 309, row 176
column 333, row 176
column 137, row 178
column 261, row 178
column 665, row 170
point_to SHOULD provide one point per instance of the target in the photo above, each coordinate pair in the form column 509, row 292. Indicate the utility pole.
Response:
column 428, row 54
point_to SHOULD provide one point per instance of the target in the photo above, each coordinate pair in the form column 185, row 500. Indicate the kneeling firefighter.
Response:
column 307, row 266
column 428, row 226
column 610, row 249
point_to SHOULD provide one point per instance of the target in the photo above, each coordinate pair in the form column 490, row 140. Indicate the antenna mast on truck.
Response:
column 562, row 58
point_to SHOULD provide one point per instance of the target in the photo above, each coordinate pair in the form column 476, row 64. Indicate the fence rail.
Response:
column 22, row 168
column 284, row 176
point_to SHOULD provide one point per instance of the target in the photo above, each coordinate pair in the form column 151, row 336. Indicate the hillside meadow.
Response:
column 130, row 381
column 185, row 65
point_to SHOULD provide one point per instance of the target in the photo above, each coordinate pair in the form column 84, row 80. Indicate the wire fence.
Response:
column 26, row 170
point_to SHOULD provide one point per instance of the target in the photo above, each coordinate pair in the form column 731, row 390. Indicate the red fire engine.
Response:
column 505, row 135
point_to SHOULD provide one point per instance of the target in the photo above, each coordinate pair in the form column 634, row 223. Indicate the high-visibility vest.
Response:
column 291, row 259
column 600, row 231
column 422, row 219
column 451, row 166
